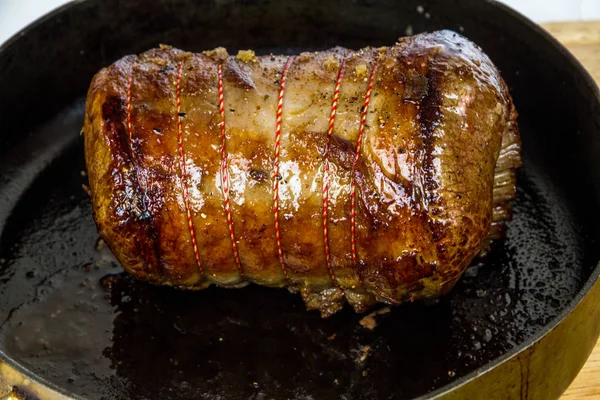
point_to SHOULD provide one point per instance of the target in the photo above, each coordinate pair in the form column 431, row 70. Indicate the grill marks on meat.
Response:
column 367, row 176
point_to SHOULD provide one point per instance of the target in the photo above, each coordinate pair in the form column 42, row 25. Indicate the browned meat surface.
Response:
column 370, row 176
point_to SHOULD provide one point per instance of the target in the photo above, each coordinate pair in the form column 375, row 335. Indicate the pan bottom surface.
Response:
column 74, row 319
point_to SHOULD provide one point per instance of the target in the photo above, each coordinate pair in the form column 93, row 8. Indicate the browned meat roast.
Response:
column 372, row 176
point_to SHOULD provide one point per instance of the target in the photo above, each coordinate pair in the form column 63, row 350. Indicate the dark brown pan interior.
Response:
column 70, row 317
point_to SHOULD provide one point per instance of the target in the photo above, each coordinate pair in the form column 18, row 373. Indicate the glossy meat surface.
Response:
column 375, row 175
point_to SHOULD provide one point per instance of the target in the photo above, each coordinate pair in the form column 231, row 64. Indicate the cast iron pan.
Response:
column 72, row 322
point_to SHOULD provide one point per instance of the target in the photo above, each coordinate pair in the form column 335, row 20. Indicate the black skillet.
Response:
column 519, row 324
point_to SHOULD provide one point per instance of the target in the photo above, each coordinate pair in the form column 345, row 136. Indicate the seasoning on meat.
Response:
column 245, row 55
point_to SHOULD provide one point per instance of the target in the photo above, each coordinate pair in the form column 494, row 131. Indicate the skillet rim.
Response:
column 460, row 382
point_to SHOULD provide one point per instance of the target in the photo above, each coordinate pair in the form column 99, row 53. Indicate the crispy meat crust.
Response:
column 433, row 179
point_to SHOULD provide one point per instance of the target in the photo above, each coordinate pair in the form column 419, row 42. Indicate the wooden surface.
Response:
column 583, row 40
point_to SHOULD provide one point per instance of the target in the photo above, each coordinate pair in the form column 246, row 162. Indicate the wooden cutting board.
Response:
column 583, row 40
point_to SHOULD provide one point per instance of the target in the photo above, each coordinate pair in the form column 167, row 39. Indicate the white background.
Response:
column 15, row 14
